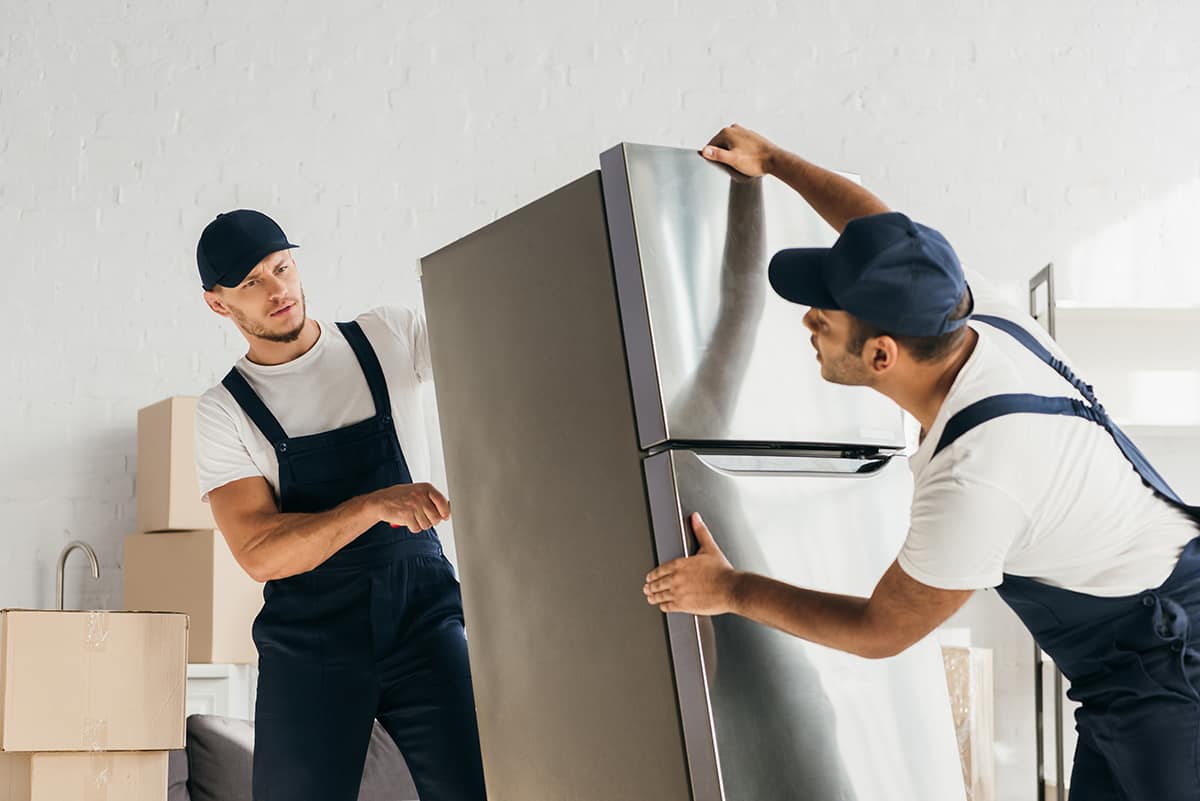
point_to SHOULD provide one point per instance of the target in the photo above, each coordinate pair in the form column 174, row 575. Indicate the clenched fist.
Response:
column 417, row 507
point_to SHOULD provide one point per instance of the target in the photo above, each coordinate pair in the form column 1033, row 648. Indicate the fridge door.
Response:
column 714, row 354
column 768, row 716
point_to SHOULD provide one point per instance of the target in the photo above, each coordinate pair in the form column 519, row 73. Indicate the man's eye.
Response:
column 248, row 284
column 282, row 268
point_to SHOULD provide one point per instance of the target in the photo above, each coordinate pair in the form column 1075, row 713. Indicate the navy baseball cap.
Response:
column 233, row 243
column 885, row 269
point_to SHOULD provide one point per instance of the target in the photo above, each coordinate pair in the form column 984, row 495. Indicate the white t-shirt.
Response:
column 320, row 391
column 1043, row 496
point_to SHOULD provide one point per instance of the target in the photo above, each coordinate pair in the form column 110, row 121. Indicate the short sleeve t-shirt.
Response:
column 322, row 390
column 1047, row 497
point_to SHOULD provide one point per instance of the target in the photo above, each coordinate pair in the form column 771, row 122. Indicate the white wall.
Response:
column 375, row 132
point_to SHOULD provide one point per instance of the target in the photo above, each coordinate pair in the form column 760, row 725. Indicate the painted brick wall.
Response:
column 376, row 132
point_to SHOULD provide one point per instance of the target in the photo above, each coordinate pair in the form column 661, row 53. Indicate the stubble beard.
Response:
column 261, row 332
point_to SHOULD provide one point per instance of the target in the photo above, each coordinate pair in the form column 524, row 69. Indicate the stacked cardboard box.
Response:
column 179, row 561
column 90, row 703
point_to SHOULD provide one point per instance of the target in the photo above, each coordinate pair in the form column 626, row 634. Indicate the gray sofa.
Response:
column 216, row 766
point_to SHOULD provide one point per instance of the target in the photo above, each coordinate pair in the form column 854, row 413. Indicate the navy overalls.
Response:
column 1133, row 661
column 376, row 631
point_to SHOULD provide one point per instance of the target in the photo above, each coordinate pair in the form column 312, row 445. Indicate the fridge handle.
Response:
column 809, row 465
column 1043, row 276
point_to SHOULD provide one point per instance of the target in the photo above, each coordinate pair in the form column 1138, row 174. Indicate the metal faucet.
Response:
column 62, row 563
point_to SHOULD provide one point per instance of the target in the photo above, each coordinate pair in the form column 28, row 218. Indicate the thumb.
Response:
column 703, row 536
column 718, row 154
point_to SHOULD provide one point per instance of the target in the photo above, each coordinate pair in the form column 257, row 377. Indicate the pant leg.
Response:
column 427, row 704
column 1091, row 777
column 1147, row 730
column 317, row 691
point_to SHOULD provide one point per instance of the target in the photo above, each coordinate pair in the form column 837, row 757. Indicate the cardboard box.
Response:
column 168, row 495
column 92, row 681
column 969, row 680
column 98, row 776
column 194, row 572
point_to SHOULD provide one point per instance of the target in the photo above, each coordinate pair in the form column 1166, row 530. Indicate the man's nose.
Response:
column 276, row 286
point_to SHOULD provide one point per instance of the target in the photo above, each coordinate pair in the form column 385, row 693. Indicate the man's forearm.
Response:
column 836, row 621
column 836, row 198
column 290, row 543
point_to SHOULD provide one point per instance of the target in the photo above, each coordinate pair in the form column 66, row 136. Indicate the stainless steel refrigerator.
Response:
column 607, row 360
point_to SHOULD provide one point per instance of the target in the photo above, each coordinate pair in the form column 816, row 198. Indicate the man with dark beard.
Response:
column 301, row 451
column 1022, row 482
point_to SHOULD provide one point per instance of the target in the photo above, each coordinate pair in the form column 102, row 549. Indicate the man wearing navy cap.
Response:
column 309, row 453
column 1022, row 482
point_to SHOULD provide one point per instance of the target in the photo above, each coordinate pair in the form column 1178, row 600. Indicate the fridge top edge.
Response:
column 438, row 251
column 623, row 146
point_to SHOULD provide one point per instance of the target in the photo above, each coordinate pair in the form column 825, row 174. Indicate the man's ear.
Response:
column 882, row 354
column 215, row 303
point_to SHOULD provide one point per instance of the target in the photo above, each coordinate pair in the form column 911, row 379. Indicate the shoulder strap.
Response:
column 981, row 411
column 1032, row 344
column 253, row 406
column 369, row 363
column 1089, row 409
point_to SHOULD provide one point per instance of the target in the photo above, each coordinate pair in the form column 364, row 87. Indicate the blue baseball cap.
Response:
column 886, row 270
column 233, row 243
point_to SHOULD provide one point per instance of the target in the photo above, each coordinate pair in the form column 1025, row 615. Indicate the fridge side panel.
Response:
column 571, row 666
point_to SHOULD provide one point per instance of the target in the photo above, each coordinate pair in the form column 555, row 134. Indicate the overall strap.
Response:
column 254, row 408
column 1032, row 344
column 981, row 411
column 369, row 363
column 1089, row 409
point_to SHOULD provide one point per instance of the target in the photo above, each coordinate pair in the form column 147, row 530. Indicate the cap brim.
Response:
column 798, row 275
column 235, row 277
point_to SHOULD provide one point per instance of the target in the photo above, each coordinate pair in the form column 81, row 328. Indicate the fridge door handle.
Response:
column 741, row 465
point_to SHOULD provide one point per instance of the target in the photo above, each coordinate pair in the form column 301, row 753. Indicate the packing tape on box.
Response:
column 99, row 776
column 96, row 636
column 95, row 734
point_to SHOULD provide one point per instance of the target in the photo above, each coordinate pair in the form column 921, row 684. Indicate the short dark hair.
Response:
column 922, row 349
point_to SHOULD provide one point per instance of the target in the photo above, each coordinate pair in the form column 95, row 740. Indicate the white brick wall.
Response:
column 375, row 132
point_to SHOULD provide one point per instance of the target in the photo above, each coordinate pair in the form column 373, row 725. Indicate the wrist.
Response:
column 367, row 510
column 736, row 592
column 772, row 159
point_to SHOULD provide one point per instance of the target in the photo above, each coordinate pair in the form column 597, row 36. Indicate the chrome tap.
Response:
column 62, row 563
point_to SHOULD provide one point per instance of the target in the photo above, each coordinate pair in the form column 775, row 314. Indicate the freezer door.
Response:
column 714, row 354
column 767, row 716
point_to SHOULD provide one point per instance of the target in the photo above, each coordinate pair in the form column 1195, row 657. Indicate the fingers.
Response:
column 662, row 571
column 703, row 536
column 440, row 504
column 661, row 585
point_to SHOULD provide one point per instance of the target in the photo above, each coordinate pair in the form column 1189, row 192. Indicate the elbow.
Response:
column 883, row 648
column 257, row 567
column 261, row 575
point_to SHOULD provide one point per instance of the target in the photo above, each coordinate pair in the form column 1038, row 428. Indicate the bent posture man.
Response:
column 1022, row 483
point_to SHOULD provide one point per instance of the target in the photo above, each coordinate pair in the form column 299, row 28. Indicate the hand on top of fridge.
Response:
column 747, row 152
column 702, row 584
